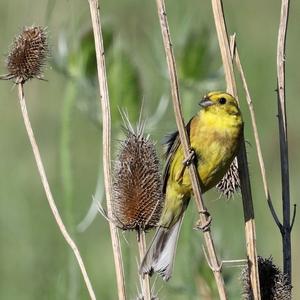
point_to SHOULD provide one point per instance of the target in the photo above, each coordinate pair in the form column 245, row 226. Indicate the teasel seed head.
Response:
column 137, row 185
column 28, row 55
column 274, row 285
column 230, row 183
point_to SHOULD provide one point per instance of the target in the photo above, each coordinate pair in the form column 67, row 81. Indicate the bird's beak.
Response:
column 205, row 102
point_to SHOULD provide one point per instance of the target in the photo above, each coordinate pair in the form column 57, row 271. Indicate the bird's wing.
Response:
column 172, row 143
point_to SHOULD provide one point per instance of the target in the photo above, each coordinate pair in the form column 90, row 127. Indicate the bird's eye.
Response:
column 222, row 100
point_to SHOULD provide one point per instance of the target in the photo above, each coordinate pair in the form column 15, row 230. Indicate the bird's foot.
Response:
column 204, row 226
column 190, row 158
column 185, row 163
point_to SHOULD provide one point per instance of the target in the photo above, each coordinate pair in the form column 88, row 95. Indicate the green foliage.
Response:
column 123, row 83
column 122, row 74
column 196, row 56
column 82, row 60
column 35, row 261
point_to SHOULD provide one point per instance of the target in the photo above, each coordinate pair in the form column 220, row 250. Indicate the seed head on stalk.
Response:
column 274, row 284
column 28, row 55
column 137, row 187
column 230, row 183
column 26, row 60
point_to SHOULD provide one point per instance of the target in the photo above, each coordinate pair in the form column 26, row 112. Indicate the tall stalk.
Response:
column 203, row 215
column 144, row 279
column 235, row 55
column 47, row 189
column 287, row 225
column 250, row 233
column 106, row 125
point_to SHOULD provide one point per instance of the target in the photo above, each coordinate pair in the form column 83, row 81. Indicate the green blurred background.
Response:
column 35, row 262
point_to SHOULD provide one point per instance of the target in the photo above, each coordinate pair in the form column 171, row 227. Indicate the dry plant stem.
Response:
column 236, row 56
column 46, row 186
column 250, row 233
column 282, row 121
column 213, row 259
column 141, row 240
column 106, row 124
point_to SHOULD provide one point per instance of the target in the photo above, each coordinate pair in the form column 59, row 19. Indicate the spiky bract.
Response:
column 28, row 55
column 274, row 284
column 137, row 187
column 230, row 183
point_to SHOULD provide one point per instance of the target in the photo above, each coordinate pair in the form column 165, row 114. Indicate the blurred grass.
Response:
column 34, row 259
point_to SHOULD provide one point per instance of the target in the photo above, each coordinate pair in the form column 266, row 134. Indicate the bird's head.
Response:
column 220, row 102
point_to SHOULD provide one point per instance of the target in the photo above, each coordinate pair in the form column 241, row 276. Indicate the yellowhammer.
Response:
column 215, row 134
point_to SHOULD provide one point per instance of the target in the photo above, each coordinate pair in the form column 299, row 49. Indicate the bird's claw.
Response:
column 190, row 158
column 185, row 163
column 206, row 225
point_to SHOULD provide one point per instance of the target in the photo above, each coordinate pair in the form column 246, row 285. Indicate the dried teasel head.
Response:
column 274, row 285
column 230, row 183
column 28, row 55
column 137, row 186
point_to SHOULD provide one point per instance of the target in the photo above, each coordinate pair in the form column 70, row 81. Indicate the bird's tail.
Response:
column 161, row 253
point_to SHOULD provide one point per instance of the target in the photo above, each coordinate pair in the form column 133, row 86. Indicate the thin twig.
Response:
column 235, row 54
column 213, row 259
column 235, row 263
column 282, row 122
column 46, row 186
column 106, row 123
column 250, row 233
column 294, row 216
column 144, row 279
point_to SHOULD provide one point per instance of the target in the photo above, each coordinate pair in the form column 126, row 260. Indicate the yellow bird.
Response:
column 215, row 133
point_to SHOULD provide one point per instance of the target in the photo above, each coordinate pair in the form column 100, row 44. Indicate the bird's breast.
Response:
column 215, row 142
column 216, row 145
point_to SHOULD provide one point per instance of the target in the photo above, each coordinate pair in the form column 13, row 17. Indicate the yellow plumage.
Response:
column 215, row 133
